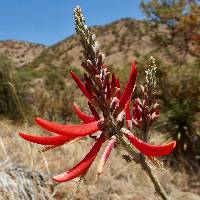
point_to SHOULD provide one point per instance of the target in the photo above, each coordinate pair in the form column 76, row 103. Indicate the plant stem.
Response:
column 138, row 158
column 158, row 187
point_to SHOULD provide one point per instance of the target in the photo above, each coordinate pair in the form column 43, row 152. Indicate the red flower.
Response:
column 151, row 150
column 46, row 140
column 111, row 103
column 68, row 133
column 69, row 130
column 84, row 117
column 82, row 167
column 128, row 91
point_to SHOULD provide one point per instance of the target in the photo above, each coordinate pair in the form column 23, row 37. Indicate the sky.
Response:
column 50, row 21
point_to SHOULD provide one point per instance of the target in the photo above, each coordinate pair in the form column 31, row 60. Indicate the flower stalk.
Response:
column 110, row 111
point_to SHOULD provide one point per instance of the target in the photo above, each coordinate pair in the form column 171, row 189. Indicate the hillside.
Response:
column 19, row 52
column 44, row 71
column 121, row 41
column 40, row 85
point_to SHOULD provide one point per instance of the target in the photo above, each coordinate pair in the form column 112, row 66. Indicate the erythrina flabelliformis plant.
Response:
column 109, row 107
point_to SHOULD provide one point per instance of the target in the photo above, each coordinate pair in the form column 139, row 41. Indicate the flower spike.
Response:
column 82, row 167
column 151, row 150
column 46, row 140
column 83, row 116
column 69, row 130
column 109, row 107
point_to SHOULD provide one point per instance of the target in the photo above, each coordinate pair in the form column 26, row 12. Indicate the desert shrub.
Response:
column 10, row 90
column 58, row 104
column 179, row 93
column 29, row 92
column 180, row 124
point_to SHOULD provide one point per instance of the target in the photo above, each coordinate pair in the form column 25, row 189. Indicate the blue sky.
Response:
column 49, row 21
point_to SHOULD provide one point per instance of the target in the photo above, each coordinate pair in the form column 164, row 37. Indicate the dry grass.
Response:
column 25, row 173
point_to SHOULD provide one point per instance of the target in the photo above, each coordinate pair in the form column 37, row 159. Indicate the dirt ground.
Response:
column 26, row 174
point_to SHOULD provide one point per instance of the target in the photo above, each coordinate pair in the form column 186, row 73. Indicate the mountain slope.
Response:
column 20, row 53
column 121, row 41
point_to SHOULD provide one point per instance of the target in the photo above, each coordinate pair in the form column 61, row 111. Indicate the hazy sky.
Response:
column 49, row 21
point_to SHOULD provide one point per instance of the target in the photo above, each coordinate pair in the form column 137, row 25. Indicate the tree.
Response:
column 173, row 26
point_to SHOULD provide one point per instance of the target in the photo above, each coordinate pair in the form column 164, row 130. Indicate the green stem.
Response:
column 138, row 158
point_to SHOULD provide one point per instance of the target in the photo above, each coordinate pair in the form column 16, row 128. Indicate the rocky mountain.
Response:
column 121, row 41
column 19, row 52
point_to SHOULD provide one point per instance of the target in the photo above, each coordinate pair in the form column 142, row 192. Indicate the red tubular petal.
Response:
column 151, row 150
column 106, row 155
column 129, row 89
column 89, row 91
column 82, row 167
column 93, row 111
column 81, row 86
column 46, row 140
column 113, row 82
column 118, row 83
column 69, row 130
column 84, row 117
column 128, row 112
column 108, row 93
column 128, row 116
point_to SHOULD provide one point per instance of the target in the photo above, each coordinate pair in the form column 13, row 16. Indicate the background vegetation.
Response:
column 170, row 33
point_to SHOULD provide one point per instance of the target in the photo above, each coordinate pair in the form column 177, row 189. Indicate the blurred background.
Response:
column 38, row 49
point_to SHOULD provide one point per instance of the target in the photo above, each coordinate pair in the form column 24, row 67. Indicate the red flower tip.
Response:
column 69, row 130
column 151, row 150
column 46, row 140
column 82, row 167
column 81, row 86
column 83, row 116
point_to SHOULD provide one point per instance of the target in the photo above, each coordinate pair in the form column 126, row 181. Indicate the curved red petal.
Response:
column 113, row 82
column 82, row 167
column 127, row 111
column 151, row 150
column 93, row 111
column 46, row 140
column 129, row 89
column 69, row 130
column 81, row 86
column 118, row 82
column 84, row 117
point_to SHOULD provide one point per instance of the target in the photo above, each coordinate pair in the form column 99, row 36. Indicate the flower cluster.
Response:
column 109, row 107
